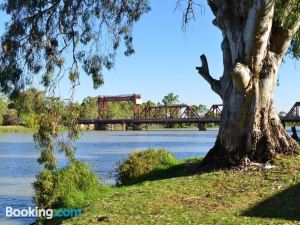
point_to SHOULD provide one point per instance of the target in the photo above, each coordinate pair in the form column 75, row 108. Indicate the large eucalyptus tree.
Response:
column 257, row 34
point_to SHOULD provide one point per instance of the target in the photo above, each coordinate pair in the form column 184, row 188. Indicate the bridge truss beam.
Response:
column 103, row 100
column 294, row 111
column 168, row 111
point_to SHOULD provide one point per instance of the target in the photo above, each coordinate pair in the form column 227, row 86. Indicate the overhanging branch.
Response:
column 204, row 72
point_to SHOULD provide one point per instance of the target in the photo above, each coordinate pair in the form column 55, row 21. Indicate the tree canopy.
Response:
column 170, row 99
column 40, row 32
column 287, row 15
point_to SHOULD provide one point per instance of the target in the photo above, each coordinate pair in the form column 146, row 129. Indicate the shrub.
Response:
column 32, row 121
column 10, row 118
column 72, row 186
column 140, row 163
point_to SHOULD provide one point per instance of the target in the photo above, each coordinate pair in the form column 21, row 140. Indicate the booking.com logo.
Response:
column 42, row 213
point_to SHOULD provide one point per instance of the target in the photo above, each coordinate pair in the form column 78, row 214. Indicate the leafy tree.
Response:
column 119, row 110
column 201, row 110
column 40, row 32
column 3, row 104
column 149, row 103
column 28, row 102
column 282, row 113
column 170, row 99
column 89, row 108
column 38, row 37
column 31, row 121
column 3, row 107
column 127, row 110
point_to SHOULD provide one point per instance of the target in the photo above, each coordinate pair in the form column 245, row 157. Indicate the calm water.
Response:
column 101, row 150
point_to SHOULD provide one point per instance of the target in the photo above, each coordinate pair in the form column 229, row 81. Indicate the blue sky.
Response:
column 166, row 58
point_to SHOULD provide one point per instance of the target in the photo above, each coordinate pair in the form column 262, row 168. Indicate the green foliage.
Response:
column 72, row 186
column 210, row 125
column 139, row 163
column 282, row 113
column 170, row 99
column 32, row 121
column 294, row 49
column 89, row 108
column 91, row 30
column 287, row 13
column 149, row 103
column 54, row 118
column 120, row 110
column 3, row 107
column 31, row 101
column 201, row 110
column 3, row 104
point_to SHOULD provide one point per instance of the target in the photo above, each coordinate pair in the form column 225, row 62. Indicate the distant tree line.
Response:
column 27, row 107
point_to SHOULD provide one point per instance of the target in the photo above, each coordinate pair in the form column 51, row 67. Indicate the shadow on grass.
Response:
column 284, row 205
column 180, row 170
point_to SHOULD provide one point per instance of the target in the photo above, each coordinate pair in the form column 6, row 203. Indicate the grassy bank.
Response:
column 15, row 129
column 179, row 196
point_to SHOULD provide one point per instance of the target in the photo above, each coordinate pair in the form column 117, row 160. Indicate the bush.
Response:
column 142, row 162
column 10, row 118
column 72, row 186
column 31, row 121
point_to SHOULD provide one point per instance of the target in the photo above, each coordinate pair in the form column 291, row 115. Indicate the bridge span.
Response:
column 172, row 114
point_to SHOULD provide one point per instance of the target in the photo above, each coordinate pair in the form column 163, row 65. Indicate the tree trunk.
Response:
column 250, row 127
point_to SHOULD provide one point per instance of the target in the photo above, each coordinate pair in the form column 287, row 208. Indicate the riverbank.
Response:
column 15, row 129
column 177, row 196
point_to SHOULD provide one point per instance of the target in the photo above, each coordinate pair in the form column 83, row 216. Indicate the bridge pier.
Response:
column 201, row 126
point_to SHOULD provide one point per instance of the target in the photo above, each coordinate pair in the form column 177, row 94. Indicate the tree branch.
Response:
column 204, row 72
column 257, row 33
column 281, row 39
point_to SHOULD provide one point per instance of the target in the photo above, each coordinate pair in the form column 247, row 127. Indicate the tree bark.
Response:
column 250, row 128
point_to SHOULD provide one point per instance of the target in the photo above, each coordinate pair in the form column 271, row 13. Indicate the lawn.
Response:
column 179, row 196
column 14, row 129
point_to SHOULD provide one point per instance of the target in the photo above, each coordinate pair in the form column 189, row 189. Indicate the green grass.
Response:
column 15, row 129
column 178, row 195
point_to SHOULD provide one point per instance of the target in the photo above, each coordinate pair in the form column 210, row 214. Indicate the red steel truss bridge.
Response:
column 167, row 114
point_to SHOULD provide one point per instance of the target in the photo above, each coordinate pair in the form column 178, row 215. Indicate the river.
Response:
column 101, row 149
